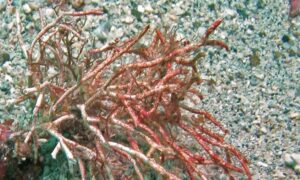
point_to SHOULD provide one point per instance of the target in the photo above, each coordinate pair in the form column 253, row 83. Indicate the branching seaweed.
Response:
column 125, row 106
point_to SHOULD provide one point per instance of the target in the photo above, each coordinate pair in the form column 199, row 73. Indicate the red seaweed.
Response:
column 124, row 104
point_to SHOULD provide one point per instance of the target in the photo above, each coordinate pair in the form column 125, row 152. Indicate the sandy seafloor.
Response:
column 256, row 91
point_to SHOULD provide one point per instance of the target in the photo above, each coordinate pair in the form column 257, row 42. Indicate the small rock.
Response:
column 274, row 88
column 140, row 8
column 118, row 32
column 148, row 8
column 177, row 11
column 272, row 104
column 10, row 25
column 51, row 71
column 27, row 9
column 263, row 130
column 249, row 31
column 278, row 153
column 128, row 19
column 279, row 174
column 35, row 16
column 77, row 3
column 101, row 35
column 294, row 115
column 223, row 35
column 172, row 16
column 256, row 122
column 262, row 164
column 8, row 78
column 290, row 160
column 234, row 84
column 229, row 12
column 253, row 81
column 49, row 12
column 34, row 5
column 296, row 158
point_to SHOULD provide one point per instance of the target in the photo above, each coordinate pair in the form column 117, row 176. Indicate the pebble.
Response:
column 201, row 30
column 141, row 9
column 35, row 16
column 8, row 78
column 262, row 164
column 128, row 20
column 170, row 16
column 148, row 8
column 256, row 122
column 10, row 25
column 77, row 3
column 229, row 12
column 249, row 31
column 49, row 12
column 100, row 33
column 292, row 160
column 51, row 71
column 263, row 130
column 294, row 115
column 35, row 5
column 27, row 9
column 118, row 32
column 177, row 11
column 272, row 104
column 279, row 174
column 253, row 81
column 260, row 76
column 296, row 158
